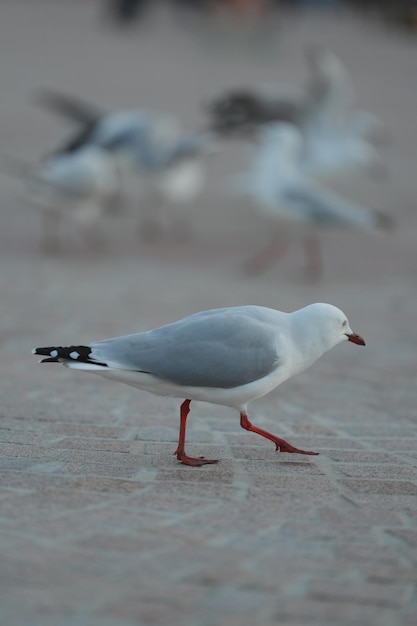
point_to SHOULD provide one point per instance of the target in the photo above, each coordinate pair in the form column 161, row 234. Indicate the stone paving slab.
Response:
column 99, row 524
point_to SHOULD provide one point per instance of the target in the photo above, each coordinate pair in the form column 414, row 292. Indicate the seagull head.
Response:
column 331, row 324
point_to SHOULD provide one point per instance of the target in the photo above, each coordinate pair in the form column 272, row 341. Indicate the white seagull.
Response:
column 326, row 101
column 288, row 196
column 229, row 356
column 338, row 138
column 136, row 136
column 169, row 161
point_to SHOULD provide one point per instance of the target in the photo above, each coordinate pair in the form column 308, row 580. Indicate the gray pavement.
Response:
column 99, row 524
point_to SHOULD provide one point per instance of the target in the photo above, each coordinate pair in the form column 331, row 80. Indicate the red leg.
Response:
column 275, row 250
column 281, row 444
column 180, row 451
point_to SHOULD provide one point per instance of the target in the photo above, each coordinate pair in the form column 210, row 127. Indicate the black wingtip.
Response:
column 60, row 354
column 46, row 351
column 72, row 353
column 51, row 353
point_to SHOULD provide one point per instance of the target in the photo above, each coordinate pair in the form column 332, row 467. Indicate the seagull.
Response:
column 287, row 195
column 153, row 141
column 338, row 138
column 77, row 185
column 328, row 97
column 132, row 135
column 229, row 356
column 170, row 162
column 149, row 142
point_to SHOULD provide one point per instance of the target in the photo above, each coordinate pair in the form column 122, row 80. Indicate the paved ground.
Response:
column 99, row 524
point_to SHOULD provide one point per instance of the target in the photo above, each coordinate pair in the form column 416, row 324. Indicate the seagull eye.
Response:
column 344, row 323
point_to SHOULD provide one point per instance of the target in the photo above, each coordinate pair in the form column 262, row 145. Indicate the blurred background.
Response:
column 171, row 60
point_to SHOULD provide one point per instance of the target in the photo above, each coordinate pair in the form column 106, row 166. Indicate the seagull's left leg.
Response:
column 281, row 444
column 180, row 451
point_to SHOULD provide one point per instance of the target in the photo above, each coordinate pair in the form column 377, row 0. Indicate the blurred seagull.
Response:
column 228, row 356
column 170, row 161
column 328, row 93
column 327, row 99
column 77, row 186
column 138, row 136
column 338, row 138
column 286, row 194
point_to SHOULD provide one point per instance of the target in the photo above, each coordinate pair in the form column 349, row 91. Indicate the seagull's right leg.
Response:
column 281, row 444
column 180, row 451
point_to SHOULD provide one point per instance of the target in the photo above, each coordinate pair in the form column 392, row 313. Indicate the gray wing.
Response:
column 319, row 207
column 215, row 349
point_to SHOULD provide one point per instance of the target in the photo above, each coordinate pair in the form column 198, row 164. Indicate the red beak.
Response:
column 355, row 338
